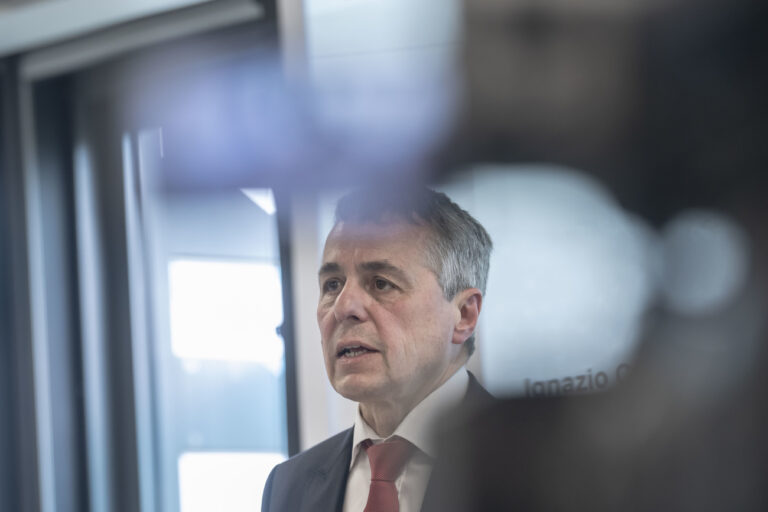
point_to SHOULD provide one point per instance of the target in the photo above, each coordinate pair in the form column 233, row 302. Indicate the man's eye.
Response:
column 382, row 284
column 331, row 286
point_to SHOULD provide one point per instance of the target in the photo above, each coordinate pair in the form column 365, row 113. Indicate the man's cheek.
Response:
column 325, row 329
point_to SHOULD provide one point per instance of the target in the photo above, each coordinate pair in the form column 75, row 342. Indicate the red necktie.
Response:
column 387, row 462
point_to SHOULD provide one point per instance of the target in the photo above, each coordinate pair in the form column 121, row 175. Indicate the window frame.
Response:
column 103, row 388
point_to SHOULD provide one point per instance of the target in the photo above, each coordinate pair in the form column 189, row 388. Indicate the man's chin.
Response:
column 360, row 389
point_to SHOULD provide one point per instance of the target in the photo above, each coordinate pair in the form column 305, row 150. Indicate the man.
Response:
column 401, row 288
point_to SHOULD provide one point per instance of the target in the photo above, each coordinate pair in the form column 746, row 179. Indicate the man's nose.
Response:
column 351, row 303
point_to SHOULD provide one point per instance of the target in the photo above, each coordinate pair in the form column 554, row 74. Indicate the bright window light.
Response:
column 215, row 481
column 263, row 197
column 226, row 311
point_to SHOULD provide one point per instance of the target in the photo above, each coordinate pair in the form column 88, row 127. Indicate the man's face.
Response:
column 386, row 327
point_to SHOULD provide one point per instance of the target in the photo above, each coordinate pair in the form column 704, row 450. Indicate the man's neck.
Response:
column 384, row 417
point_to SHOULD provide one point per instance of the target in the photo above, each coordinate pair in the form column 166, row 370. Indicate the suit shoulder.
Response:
column 319, row 454
column 290, row 484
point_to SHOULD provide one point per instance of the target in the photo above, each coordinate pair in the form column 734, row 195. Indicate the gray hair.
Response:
column 460, row 249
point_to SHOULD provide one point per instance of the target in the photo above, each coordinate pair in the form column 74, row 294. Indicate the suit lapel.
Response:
column 328, row 483
column 477, row 396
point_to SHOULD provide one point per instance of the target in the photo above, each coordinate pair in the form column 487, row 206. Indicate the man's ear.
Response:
column 468, row 303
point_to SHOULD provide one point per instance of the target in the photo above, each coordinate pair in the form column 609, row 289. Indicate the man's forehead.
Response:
column 390, row 241
column 373, row 232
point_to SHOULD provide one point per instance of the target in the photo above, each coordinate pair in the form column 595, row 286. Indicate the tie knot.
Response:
column 388, row 458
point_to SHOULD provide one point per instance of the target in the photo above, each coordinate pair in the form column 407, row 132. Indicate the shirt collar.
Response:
column 417, row 425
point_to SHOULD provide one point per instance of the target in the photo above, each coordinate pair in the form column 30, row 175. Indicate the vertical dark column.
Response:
column 282, row 200
column 54, row 154
column 9, row 162
column 103, row 131
column 20, row 459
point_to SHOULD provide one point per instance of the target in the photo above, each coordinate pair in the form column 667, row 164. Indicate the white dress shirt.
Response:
column 417, row 428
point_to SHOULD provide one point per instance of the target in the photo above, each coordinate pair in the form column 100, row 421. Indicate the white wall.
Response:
column 322, row 412
column 359, row 50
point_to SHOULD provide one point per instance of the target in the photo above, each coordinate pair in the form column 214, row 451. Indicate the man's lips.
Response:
column 353, row 348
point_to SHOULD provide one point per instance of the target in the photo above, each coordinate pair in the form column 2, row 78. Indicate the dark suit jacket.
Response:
column 316, row 480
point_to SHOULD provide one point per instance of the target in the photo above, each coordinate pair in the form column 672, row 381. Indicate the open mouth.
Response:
column 354, row 351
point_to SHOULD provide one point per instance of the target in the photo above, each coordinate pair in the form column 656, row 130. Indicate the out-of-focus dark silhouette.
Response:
column 666, row 105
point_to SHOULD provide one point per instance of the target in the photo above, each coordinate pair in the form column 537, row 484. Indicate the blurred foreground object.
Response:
column 664, row 101
column 666, row 105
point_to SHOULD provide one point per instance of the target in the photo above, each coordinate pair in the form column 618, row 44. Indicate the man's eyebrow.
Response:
column 329, row 268
column 384, row 266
